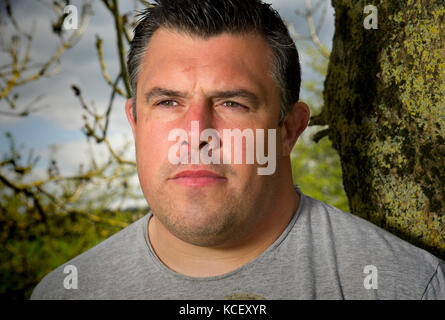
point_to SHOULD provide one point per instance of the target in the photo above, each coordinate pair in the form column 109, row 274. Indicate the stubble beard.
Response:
column 198, row 220
column 213, row 216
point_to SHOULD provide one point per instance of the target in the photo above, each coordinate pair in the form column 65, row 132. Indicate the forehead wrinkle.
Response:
column 196, row 68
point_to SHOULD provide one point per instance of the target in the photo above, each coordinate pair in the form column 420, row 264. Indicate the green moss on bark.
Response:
column 385, row 106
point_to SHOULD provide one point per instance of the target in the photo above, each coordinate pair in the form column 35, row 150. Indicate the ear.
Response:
column 294, row 124
column 130, row 117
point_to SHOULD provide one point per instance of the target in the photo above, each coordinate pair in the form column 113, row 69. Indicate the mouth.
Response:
column 198, row 178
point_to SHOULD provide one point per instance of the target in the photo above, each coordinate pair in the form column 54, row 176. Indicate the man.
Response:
column 220, row 228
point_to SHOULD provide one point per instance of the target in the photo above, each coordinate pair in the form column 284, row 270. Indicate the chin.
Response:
column 201, row 227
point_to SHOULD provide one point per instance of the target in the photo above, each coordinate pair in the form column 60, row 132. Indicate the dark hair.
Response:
column 207, row 18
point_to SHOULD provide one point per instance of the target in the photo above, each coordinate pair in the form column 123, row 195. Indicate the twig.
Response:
column 120, row 45
column 14, row 81
column 314, row 35
column 104, row 68
column 321, row 134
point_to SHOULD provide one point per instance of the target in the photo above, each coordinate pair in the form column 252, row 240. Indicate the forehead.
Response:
column 223, row 61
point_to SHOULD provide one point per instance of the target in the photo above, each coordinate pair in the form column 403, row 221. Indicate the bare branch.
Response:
column 293, row 33
column 321, row 134
column 15, row 80
column 110, row 106
column 28, row 193
column 117, row 157
column 104, row 68
column 27, row 109
column 322, row 18
column 314, row 35
column 319, row 120
column 308, row 14
column 114, row 9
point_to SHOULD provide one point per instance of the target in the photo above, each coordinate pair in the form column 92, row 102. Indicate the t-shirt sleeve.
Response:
column 436, row 287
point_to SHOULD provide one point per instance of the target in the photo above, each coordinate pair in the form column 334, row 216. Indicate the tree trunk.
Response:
column 385, row 107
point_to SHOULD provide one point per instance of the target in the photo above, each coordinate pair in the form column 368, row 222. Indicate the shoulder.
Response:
column 436, row 286
column 95, row 268
column 404, row 269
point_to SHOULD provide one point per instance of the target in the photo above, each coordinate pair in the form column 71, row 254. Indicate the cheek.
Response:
column 151, row 148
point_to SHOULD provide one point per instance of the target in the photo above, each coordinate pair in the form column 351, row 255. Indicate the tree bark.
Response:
column 384, row 103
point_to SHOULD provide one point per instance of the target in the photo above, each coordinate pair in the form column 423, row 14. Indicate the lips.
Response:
column 198, row 178
column 196, row 174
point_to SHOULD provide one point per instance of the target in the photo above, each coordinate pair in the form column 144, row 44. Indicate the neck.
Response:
column 196, row 261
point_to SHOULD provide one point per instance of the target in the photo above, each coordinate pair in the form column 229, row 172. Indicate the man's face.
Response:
column 223, row 82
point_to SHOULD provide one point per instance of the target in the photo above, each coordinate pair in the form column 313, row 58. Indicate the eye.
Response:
column 234, row 105
column 167, row 103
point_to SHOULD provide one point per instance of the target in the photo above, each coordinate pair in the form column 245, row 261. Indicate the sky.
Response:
column 61, row 122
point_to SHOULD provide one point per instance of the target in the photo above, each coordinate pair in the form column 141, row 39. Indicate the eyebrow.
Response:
column 225, row 94
column 161, row 92
column 238, row 93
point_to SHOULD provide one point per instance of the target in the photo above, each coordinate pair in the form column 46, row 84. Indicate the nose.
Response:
column 198, row 118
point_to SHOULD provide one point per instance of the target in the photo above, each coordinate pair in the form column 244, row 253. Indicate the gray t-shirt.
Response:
column 324, row 253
